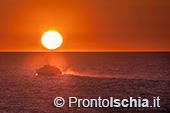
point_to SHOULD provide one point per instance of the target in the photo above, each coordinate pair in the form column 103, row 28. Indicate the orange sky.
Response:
column 86, row 25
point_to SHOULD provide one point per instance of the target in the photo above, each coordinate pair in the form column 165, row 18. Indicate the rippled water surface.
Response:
column 87, row 75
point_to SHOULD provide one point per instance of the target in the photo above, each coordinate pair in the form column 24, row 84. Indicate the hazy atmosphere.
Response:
column 86, row 25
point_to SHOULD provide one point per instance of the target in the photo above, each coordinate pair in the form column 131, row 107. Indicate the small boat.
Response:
column 48, row 70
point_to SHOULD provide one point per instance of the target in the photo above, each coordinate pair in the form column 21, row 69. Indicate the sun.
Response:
column 51, row 40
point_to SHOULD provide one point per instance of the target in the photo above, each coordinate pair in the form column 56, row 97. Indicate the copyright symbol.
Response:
column 59, row 102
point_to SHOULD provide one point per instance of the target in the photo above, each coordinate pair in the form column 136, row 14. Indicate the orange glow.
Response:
column 85, row 25
column 51, row 40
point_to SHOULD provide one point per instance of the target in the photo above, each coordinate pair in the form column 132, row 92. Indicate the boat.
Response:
column 48, row 70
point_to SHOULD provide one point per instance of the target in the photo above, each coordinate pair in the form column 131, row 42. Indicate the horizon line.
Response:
column 87, row 51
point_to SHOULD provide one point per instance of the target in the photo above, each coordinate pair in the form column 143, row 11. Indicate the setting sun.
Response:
column 51, row 40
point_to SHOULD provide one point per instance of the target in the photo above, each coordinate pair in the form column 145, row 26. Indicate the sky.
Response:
column 86, row 25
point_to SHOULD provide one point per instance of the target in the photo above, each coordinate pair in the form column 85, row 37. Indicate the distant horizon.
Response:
column 140, row 51
column 85, row 26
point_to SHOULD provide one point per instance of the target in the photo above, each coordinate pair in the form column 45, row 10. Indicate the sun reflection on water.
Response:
column 33, row 61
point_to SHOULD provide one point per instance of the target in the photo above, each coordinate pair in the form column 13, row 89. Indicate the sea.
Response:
column 86, row 75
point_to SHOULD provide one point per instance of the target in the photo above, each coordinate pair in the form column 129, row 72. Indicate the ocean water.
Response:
column 87, row 75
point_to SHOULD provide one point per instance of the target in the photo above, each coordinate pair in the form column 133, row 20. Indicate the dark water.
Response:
column 118, row 75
